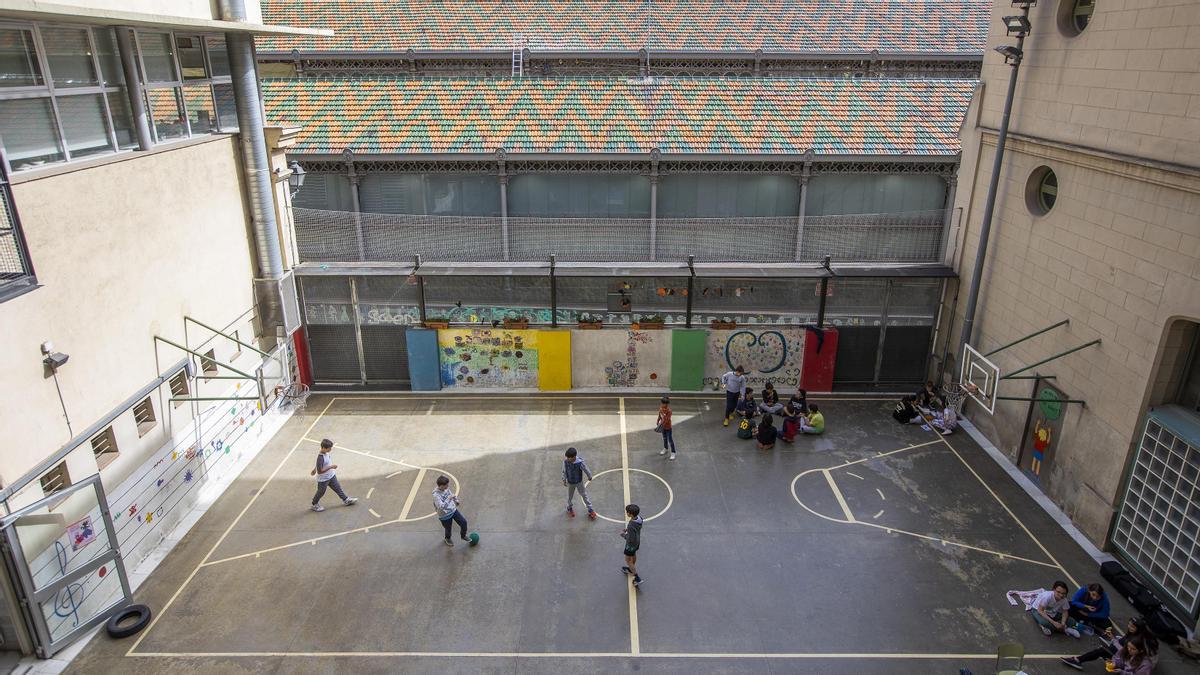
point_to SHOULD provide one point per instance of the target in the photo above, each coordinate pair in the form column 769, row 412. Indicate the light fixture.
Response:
column 1024, row 4
column 1017, row 25
column 1011, row 54
column 296, row 180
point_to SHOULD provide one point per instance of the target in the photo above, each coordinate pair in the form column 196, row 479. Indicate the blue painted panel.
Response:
column 423, row 359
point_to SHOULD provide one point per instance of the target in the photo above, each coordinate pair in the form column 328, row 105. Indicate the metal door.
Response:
column 62, row 555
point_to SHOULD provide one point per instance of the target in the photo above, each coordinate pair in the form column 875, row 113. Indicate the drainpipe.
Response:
column 133, row 87
column 989, row 207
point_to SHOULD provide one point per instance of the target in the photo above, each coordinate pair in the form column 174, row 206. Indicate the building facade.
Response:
column 1097, row 221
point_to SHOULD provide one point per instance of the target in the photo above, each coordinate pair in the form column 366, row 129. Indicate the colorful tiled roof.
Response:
column 747, row 116
column 629, row 25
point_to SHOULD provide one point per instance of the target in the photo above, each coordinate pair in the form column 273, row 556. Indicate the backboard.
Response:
column 980, row 377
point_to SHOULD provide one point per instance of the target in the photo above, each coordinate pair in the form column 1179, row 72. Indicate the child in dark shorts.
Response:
column 633, row 541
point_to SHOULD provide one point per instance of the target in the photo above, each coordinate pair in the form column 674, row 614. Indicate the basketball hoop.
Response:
column 957, row 393
column 294, row 395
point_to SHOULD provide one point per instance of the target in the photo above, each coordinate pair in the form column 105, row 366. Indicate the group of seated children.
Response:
column 927, row 406
column 798, row 416
column 1087, row 612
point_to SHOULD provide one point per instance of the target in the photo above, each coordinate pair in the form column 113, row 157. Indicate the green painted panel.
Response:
column 687, row 359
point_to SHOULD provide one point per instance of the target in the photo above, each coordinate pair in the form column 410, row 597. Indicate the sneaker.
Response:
column 1072, row 661
column 725, row 423
column 350, row 501
column 1045, row 631
column 946, row 432
column 318, row 508
column 592, row 514
column 464, row 537
column 570, row 512
column 449, row 543
column 637, row 581
column 662, row 452
column 1071, row 631
column 672, row 457
column 625, row 570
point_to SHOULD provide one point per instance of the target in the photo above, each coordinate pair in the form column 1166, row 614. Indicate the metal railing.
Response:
column 16, row 269
column 343, row 236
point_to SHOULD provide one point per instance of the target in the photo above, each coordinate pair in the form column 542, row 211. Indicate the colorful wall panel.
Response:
column 489, row 357
column 423, row 359
column 621, row 358
column 768, row 355
column 554, row 360
column 687, row 359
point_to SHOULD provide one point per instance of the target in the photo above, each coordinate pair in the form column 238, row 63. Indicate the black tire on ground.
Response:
column 142, row 613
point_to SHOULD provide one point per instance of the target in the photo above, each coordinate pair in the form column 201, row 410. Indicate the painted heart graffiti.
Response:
column 765, row 352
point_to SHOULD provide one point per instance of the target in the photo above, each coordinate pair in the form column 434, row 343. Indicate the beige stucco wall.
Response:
column 122, row 251
column 1115, row 112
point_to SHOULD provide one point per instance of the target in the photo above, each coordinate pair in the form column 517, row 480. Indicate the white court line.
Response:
column 432, row 404
column 159, row 614
column 635, row 646
column 838, row 493
column 876, row 516
column 372, row 491
column 606, row 655
column 851, row 473
column 372, row 512
column 881, row 494
column 412, row 494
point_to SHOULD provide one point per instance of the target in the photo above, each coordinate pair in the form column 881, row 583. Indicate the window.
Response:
column 188, row 87
column 16, row 270
column 58, row 86
column 208, row 362
column 104, row 448
column 56, row 480
column 1074, row 16
column 237, row 346
column 1041, row 191
column 179, row 387
column 143, row 415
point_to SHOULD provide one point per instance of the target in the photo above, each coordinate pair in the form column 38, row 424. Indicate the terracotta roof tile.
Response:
column 627, row 25
column 384, row 115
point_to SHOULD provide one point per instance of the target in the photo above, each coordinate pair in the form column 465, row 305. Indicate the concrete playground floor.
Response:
column 875, row 548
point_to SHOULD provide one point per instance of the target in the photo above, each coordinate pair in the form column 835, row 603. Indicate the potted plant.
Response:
column 723, row 325
column 589, row 322
column 516, row 323
column 650, row 322
column 436, row 322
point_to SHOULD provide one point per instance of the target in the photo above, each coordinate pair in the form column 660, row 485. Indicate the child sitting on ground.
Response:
column 767, row 433
column 814, row 422
column 946, row 421
column 791, row 423
column 746, row 411
column 906, row 411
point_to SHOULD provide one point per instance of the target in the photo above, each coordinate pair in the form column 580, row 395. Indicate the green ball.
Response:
column 474, row 537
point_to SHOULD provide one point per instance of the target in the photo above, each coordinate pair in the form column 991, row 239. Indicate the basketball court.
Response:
column 874, row 548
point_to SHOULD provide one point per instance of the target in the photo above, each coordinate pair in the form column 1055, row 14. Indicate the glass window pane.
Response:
column 118, row 105
column 485, row 299
column 18, row 59
column 226, row 112
column 158, row 56
column 109, row 56
column 755, row 301
column 69, row 56
column 165, row 113
column 27, row 131
column 84, row 125
column 199, row 101
column 618, row 301
column 218, row 58
column 191, row 57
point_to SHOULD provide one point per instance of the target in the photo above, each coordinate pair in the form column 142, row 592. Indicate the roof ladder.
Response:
column 518, row 57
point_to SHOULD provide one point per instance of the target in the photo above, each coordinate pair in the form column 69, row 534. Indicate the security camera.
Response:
column 55, row 360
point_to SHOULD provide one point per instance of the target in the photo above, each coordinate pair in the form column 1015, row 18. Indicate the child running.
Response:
column 447, row 503
column 633, row 541
column 574, row 469
column 664, row 426
column 326, row 473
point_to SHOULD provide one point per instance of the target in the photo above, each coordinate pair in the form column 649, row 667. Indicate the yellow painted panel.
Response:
column 554, row 356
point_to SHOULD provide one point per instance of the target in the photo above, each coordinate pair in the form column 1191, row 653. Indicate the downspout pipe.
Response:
column 989, row 207
column 255, row 163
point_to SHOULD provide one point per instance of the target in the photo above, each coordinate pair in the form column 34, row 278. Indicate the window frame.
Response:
column 110, row 455
column 179, row 84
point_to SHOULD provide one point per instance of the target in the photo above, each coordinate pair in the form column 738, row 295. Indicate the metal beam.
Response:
column 1056, row 356
column 206, row 357
column 1032, row 398
column 224, row 335
column 1028, row 337
column 214, row 398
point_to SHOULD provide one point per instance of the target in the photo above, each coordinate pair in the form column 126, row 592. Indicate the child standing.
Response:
column 734, row 384
column 574, row 469
column 664, row 427
column 633, row 541
column 326, row 473
column 446, row 503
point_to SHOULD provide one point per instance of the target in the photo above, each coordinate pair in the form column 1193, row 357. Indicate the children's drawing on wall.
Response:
column 1044, row 429
column 81, row 533
column 621, row 358
column 481, row 357
column 625, row 373
column 768, row 355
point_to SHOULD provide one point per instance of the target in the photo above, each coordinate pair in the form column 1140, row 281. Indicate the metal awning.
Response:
column 33, row 10
column 743, row 270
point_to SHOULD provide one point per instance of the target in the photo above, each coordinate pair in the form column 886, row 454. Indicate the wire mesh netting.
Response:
column 14, row 268
column 343, row 236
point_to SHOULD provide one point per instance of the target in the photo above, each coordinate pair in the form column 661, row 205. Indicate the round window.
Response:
column 1075, row 15
column 1041, row 191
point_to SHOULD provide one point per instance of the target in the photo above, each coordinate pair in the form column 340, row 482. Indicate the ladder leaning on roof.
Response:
column 518, row 58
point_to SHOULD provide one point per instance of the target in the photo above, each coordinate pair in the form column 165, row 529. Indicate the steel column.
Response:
column 133, row 88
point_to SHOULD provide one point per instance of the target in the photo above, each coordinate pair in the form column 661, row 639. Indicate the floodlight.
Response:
column 1011, row 54
column 1017, row 25
column 1024, row 4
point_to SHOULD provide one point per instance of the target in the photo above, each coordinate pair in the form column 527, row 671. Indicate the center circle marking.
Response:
column 670, row 494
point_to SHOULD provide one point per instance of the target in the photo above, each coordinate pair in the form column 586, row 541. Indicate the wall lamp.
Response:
column 296, row 180
column 1024, row 4
column 1011, row 54
column 1017, row 25
column 53, row 360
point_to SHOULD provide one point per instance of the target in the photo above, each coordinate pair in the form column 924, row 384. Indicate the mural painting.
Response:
column 626, row 358
column 768, row 355
column 1043, row 430
column 486, row 357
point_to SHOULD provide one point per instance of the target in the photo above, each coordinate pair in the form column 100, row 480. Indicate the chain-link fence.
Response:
column 15, row 270
column 342, row 236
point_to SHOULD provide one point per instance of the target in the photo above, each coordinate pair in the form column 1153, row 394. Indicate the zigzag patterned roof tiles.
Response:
column 775, row 26
column 760, row 116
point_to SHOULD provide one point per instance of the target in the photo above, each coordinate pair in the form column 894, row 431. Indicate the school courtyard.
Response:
column 874, row 548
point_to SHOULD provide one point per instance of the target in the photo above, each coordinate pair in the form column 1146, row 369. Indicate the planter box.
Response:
column 590, row 325
column 516, row 324
column 723, row 325
column 435, row 323
column 657, row 325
